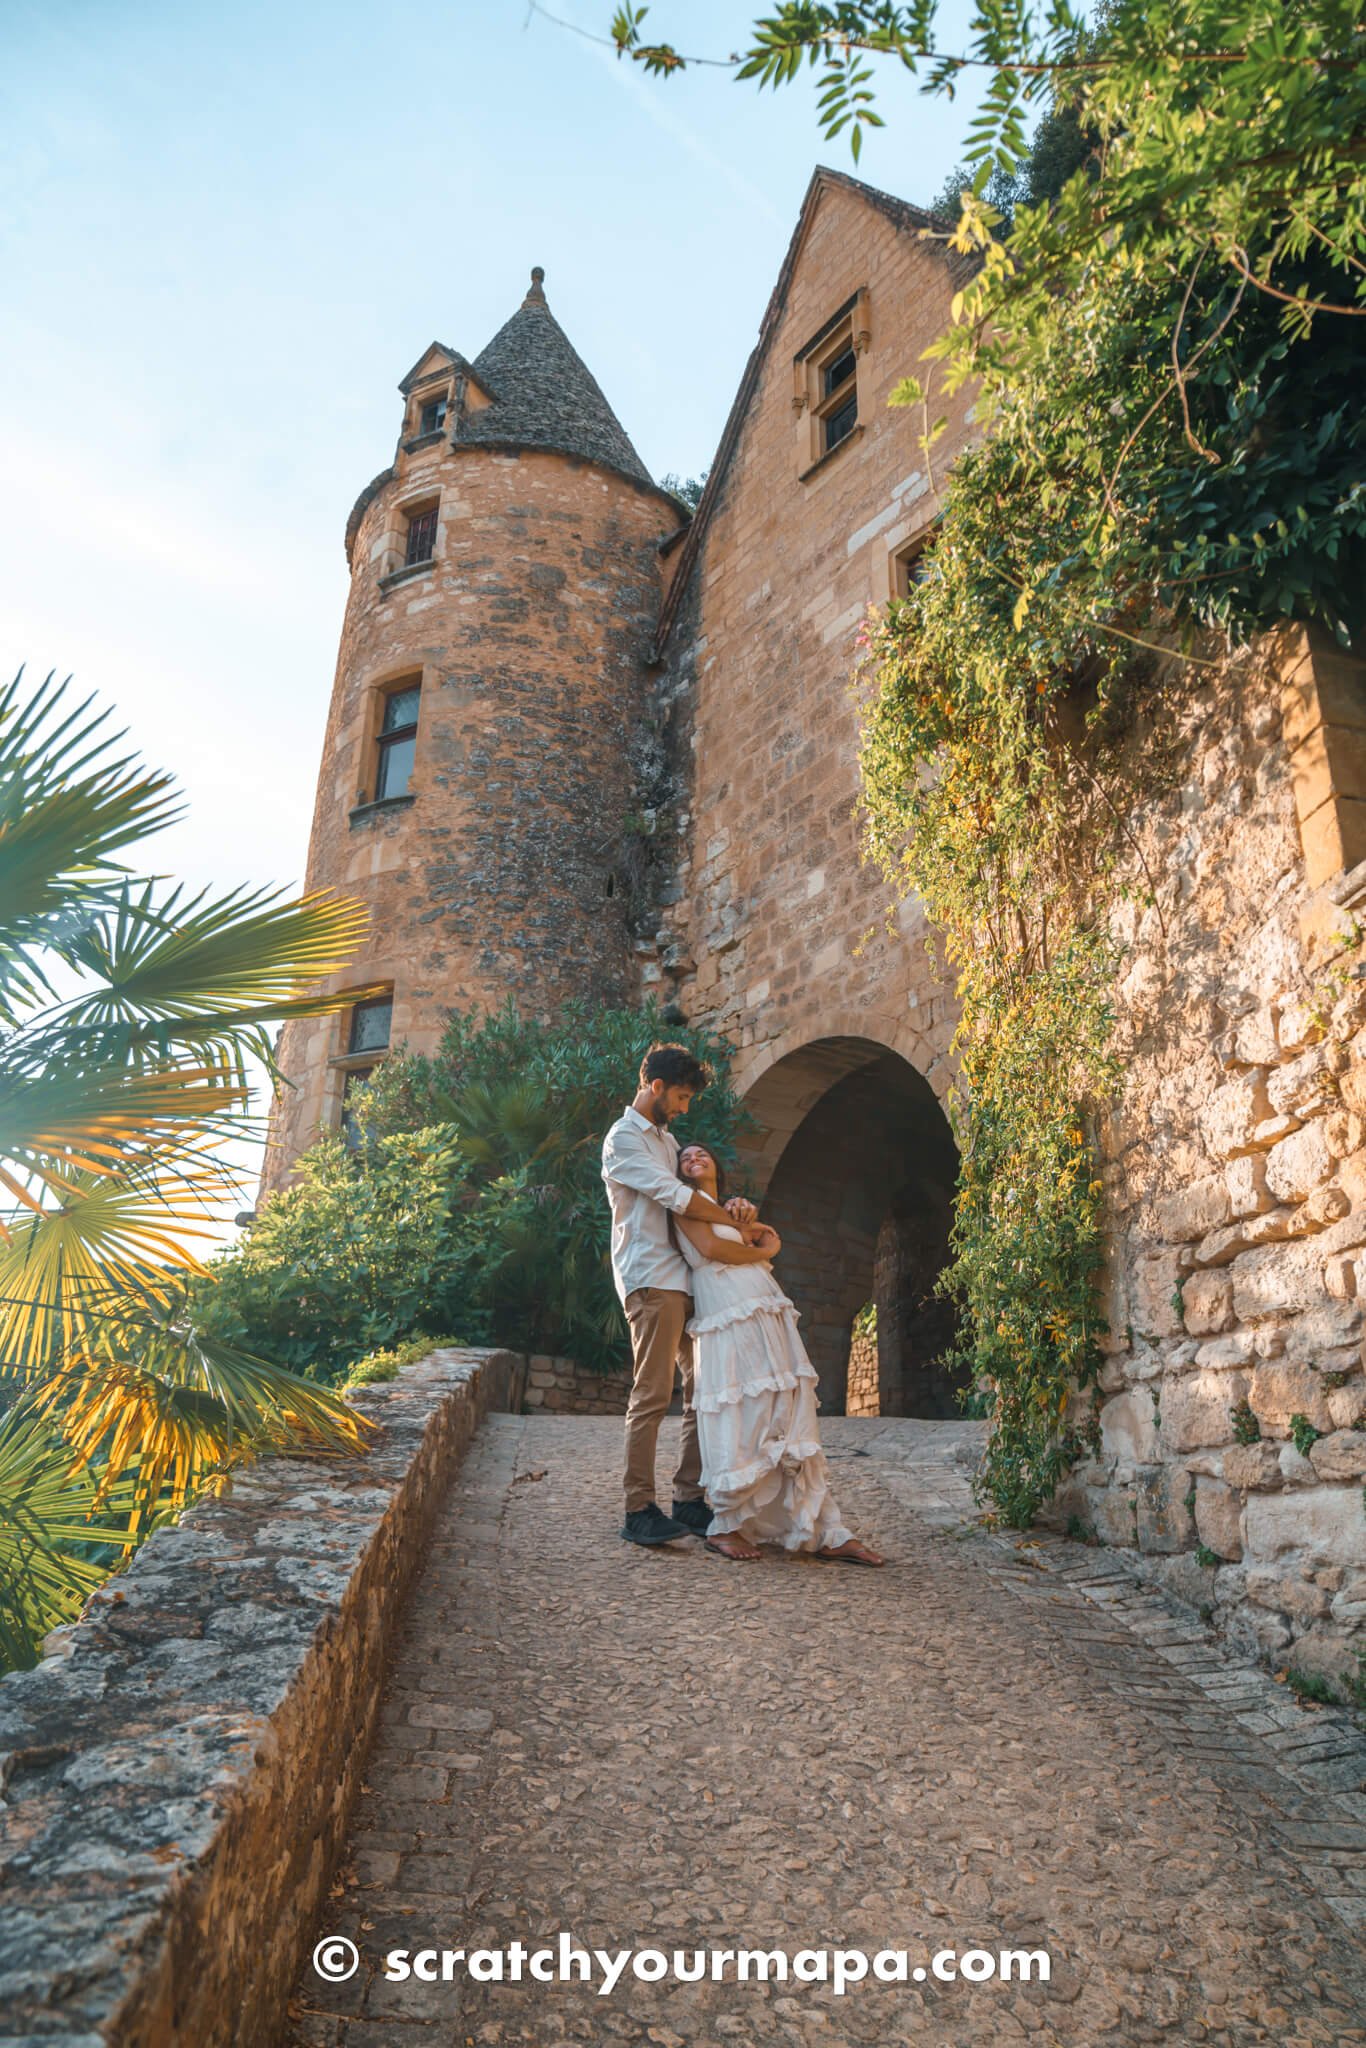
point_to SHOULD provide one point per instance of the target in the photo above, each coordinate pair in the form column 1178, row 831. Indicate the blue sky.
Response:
column 228, row 231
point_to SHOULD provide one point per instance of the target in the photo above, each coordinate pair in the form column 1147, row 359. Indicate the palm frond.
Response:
column 151, row 1394
column 110, row 1244
column 68, row 803
column 49, row 1521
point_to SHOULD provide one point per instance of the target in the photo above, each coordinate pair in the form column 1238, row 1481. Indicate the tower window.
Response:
column 432, row 418
column 397, row 741
column 369, row 1029
column 421, row 541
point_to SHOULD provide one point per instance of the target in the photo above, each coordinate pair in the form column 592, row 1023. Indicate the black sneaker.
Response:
column 695, row 1513
column 652, row 1525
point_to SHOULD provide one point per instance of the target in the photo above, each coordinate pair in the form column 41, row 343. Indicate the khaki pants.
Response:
column 656, row 1316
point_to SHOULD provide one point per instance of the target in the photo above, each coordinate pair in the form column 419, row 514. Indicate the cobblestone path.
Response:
column 994, row 1742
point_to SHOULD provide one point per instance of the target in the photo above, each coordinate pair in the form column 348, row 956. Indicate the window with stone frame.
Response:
column 419, row 543
column 355, row 1080
column 910, row 562
column 826, row 381
column 396, row 740
column 431, row 417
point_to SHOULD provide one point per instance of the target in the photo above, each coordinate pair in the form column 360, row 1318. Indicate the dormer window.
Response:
column 825, row 392
column 837, row 410
column 420, row 543
column 432, row 417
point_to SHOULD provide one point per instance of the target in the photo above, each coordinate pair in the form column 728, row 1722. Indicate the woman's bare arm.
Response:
column 725, row 1250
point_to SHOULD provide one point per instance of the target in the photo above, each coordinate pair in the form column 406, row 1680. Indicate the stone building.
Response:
column 582, row 744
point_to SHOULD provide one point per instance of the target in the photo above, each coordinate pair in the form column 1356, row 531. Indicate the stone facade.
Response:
column 636, row 772
column 1236, row 1177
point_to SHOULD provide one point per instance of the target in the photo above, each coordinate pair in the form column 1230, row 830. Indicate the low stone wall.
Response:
column 562, row 1386
column 177, row 1773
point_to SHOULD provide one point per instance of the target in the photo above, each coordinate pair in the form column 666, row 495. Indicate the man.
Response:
column 654, row 1285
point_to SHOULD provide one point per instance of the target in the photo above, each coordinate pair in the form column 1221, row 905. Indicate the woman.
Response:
column 754, row 1392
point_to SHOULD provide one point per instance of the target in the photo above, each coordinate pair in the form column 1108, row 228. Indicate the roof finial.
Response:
column 535, row 296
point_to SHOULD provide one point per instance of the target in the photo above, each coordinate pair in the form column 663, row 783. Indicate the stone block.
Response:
column 1232, row 1113
column 1340, row 1278
column 1286, row 1593
column 1328, row 1204
column 1340, row 1455
column 1221, row 1354
column 1296, row 1166
column 1277, row 1280
column 1154, row 1307
column 1250, row 1466
column 1207, row 1303
column 1329, row 1653
column 1191, row 1212
column 1297, row 1088
column 1128, row 1428
column 1110, row 1511
column 1245, row 1179
column 1280, row 1390
column 1196, row 1409
column 1342, row 1132
column 1165, row 1523
column 1297, row 1026
column 1219, row 1518
column 1322, row 1524
column 1254, row 1040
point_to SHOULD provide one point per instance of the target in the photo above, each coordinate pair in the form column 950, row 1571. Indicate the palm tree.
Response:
column 115, row 1103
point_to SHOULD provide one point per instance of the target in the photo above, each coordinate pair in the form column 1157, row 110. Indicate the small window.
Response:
column 421, row 536
column 840, row 424
column 397, row 741
column 836, row 375
column 825, row 386
column 432, row 418
column 910, row 565
column 370, row 1023
column 351, row 1087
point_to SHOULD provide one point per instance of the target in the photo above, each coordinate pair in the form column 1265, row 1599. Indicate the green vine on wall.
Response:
column 981, row 801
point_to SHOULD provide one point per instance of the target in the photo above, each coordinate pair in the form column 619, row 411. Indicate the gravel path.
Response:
column 991, row 1743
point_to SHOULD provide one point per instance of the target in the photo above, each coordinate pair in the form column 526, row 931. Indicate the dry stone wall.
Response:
column 177, row 1774
column 1233, row 1404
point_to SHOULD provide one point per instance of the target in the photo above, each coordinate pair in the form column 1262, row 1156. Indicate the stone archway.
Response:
column 857, row 1168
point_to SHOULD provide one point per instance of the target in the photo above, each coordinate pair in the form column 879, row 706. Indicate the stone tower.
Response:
column 475, row 784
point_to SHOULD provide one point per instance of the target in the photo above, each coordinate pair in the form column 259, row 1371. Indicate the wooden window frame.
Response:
column 846, row 332
column 415, row 518
column 384, row 741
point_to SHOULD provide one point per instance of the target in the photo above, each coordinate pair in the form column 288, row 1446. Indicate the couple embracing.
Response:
column 750, row 1469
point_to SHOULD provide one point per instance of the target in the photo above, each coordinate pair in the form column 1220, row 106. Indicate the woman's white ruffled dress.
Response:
column 754, row 1390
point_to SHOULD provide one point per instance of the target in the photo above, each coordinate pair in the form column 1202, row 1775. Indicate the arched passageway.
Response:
column 858, row 1167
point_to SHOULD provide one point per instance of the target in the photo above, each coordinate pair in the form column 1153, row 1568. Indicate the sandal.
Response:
column 713, row 1544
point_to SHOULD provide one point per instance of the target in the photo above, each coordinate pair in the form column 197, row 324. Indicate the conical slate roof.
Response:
column 545, row 394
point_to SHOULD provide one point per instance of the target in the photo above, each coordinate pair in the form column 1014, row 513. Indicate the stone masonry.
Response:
column 636, row 772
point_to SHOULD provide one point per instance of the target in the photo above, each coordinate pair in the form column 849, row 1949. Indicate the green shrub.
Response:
column 355, row 1254
column 387, row 1365
column 474, row 1200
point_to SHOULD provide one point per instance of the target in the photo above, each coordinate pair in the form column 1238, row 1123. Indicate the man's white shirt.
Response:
column 640, row 1167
